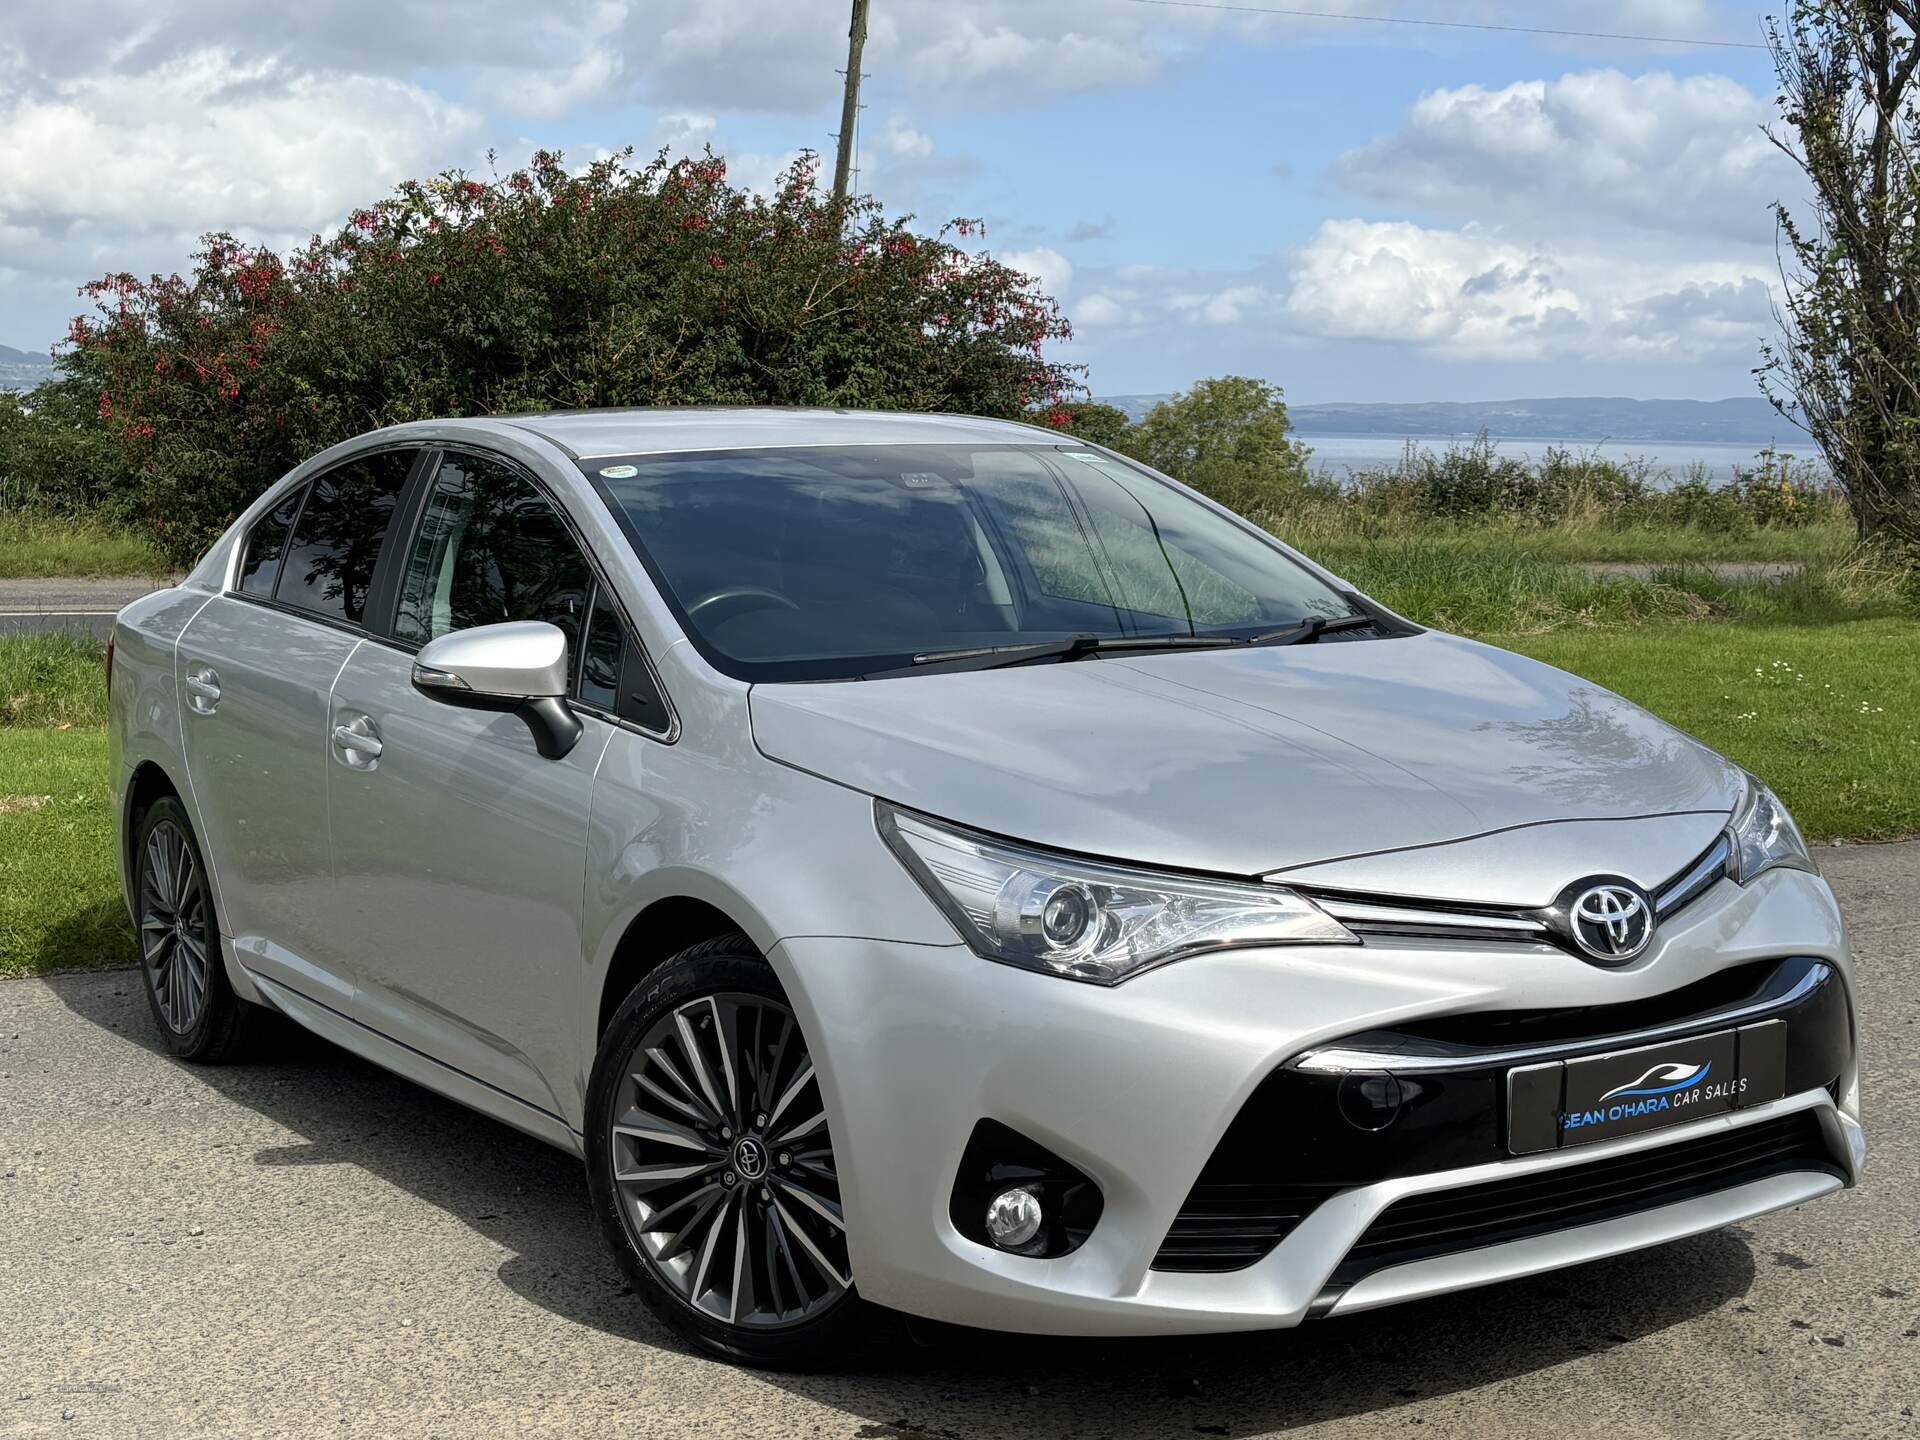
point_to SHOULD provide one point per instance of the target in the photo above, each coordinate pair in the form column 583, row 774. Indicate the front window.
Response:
column 490, row 548
column 817, row 563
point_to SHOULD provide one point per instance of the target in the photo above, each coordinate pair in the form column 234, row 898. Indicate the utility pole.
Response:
column 849, row 104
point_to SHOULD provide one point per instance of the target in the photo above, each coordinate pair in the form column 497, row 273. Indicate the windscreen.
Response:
column 818, row 563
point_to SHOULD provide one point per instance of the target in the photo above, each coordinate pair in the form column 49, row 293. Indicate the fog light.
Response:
column 1014, row 1217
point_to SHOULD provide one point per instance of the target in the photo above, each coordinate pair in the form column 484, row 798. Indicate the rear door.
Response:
column 255, row 669
column 461, row 853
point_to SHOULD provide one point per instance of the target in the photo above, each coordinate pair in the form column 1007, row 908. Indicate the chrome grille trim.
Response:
column 1391, row 917
column 1695, row 879
column 1344, row 1060
column 1388, row 917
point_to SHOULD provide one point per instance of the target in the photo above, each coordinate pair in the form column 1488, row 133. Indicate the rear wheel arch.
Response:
column 149, row 782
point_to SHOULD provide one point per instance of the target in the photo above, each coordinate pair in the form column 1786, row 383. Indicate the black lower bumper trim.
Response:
column 1439, row 1101
column 1470, row 1217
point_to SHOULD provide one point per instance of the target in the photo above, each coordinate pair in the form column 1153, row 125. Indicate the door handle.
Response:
column 358, row 742
column 203, row 689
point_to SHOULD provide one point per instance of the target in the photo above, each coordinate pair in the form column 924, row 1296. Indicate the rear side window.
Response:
column 328, row 569
column 267, row 543
column 491, row 548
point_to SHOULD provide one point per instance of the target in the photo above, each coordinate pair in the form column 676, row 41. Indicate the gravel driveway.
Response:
column 310, row 1246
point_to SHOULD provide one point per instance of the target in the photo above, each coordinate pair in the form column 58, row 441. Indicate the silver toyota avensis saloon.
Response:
column 933, row 866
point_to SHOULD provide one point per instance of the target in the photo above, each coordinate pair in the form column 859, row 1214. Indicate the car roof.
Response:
column 593, row 434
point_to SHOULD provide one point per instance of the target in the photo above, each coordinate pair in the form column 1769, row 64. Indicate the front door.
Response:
column 459, row 854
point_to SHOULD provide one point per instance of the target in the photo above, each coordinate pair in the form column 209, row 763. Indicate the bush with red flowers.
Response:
column 547, row 288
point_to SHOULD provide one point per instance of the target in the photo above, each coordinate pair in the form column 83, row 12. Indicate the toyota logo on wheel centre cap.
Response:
column 1610, row 919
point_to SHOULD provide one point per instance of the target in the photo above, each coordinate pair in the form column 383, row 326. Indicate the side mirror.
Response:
column 519, row 666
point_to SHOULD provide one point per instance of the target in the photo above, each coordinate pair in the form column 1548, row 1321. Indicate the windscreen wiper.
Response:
column 1311, row 629
column 994, row 657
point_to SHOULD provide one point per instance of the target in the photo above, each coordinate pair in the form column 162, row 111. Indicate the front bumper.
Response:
column 1138, row 1085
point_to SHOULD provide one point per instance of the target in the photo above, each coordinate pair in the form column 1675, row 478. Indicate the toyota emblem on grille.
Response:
column 1611, row 920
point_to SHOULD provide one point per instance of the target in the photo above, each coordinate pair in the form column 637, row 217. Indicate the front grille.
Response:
column 1448, row 1221
column 1389, row 917
column 1755, row 982
column 1228, row 1226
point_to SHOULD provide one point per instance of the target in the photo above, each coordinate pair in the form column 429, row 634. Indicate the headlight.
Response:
column 1088, row 921
column 1764, row 836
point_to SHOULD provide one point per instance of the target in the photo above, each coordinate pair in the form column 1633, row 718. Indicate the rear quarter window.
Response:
column 266, row 544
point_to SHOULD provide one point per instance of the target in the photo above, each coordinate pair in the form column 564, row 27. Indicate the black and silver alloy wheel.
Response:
column 712, row 1168
column 173, row 926
column 723, row 1161
column 200, row 1017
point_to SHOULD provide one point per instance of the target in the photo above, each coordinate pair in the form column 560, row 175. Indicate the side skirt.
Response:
column 370, row 1044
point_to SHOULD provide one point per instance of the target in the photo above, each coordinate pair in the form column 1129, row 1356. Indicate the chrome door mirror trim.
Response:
column 520, row 665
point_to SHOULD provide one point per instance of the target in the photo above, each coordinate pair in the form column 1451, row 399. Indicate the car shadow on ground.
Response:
column 532, row 1201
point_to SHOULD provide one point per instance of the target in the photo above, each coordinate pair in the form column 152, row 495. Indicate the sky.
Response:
column 1351, row 210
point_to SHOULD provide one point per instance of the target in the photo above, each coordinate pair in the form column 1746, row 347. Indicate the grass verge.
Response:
column 60, row 903
column 52, row 680
column 1822, row 713
column 1600, row 542
column 36, row 546
column 1511, row 589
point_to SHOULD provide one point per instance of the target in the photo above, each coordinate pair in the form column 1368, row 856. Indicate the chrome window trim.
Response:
column 1340, row 1061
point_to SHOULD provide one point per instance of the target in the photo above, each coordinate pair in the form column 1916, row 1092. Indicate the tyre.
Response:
column 712, row 1169
column 199, row 1017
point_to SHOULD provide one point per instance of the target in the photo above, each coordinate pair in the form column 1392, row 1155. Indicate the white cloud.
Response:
column 1655, row 151
column 902, row 141
column 543, row 95
column 205, row 141
column 1048, row 266
column 1475, row 293
column 1108, row 310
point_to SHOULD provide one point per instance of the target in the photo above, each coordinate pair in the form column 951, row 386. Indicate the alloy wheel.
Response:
column 173, row 926
column 724, row 1166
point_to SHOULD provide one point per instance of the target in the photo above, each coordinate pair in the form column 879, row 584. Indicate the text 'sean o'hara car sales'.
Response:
column 931, row 866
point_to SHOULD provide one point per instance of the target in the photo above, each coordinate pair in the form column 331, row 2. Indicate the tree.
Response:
column 1848, row 365
column 547, row 288
column 1093, row 422
column 1229, row 438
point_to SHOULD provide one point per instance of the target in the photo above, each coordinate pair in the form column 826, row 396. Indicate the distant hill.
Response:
column 1748, row 420
column 23, row 369
column 1135, row 406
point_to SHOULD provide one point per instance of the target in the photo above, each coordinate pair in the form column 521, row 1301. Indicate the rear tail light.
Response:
column 109, row 667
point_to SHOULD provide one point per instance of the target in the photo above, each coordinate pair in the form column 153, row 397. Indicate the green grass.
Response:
column 34, row 546
column 60, row 900
column 51, row 680
column 1512, row 589
column 1341, row 532
column 1823, row 713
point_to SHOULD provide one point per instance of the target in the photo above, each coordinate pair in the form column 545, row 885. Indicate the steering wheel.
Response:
column 740, row 599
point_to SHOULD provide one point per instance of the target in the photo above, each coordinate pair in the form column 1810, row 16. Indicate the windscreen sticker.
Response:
column 1087, row 456
column 922, row 479
column 620, row 472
